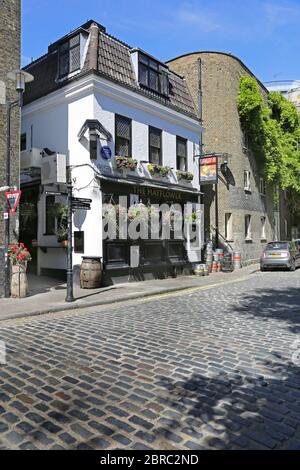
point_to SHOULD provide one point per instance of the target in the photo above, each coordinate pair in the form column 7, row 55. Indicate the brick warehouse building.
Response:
column 10, row 45
column 247, row 214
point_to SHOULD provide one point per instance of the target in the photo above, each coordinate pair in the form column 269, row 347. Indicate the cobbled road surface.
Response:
column 213, row 368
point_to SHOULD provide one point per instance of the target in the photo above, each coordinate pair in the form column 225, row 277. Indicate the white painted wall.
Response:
column 55, row 121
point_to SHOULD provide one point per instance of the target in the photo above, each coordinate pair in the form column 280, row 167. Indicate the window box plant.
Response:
column 185, row 175
column 125, row 163
column 157, row 170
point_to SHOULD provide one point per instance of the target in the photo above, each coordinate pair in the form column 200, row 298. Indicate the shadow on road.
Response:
column 234, row 411
column 283, row 305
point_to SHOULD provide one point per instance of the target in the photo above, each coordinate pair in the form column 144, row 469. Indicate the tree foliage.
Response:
column 273, row 130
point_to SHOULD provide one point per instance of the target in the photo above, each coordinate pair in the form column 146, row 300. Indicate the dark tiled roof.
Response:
column 114, row 63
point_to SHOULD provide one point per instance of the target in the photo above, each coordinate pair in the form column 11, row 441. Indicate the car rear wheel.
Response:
column 263, row 269
column 293, row 266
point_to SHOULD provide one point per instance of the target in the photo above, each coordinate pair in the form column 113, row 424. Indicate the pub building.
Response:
column 117, row 123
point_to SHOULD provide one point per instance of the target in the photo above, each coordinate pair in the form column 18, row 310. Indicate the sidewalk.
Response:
column 48, row 295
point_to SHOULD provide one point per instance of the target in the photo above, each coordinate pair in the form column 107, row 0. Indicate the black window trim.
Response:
column 159, row 69
column 23, row 139
column 47, row 230
column 161, row 144
column 182, row 139
column 67, row 52
column 130, row 133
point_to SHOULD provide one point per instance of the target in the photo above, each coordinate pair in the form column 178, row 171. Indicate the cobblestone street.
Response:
column 208, row 368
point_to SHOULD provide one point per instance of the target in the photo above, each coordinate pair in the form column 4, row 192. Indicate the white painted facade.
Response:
column 54, row 122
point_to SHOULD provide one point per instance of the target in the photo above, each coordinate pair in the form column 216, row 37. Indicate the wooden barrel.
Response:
column 237, row 258
column 90, row 273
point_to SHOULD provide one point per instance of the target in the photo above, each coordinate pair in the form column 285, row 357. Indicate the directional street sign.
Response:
column 81, row 207
column 81, row 203
column 81, row 200
column 13, row 198
column 55, row 193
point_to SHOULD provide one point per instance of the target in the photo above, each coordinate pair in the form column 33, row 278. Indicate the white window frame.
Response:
column 247, row 181
column 228, row 226
column 262, row 186
column 248, row 234
column 263, row 220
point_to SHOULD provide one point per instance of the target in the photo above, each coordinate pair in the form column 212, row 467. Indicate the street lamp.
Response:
column 20, row 78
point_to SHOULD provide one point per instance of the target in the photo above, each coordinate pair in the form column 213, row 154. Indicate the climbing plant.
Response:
column 272, row 126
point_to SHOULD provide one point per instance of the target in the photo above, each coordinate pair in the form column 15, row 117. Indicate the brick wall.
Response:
column 10, row 11
column 219, row 75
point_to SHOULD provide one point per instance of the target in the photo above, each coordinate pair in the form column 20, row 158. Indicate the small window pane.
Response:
column 50, row 216
column 181, row 148
column 122, row 147
column 143, row 74
column 64, row 64
column 153, row 80
column 93, row 149
column 75, row 59
column 154, row 156
column 74, row 41
column 23, row 145
column 143, row 59
column 153, row 65
column 155, row 137
column 123, row 125
column 79, row 242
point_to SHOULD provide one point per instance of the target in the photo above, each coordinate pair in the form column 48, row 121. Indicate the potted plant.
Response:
column 185, row 175
column 60, row 211
column 158, row 170
column 125, row 163
column 19, row 257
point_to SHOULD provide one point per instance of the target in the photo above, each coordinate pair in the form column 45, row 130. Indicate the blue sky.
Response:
column 265, row 34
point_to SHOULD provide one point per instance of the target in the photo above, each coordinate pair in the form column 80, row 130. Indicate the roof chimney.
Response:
column 94, row 46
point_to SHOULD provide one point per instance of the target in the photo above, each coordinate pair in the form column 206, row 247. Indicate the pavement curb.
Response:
column 124, row 298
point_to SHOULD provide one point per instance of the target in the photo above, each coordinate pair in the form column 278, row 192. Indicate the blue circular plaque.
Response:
column 106, row 152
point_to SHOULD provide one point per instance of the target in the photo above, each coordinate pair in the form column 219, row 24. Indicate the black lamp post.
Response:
column 20, row 78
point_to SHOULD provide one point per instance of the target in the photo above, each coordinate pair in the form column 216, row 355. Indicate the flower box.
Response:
column 185, row 175
column 125, row 163
column 157, row 170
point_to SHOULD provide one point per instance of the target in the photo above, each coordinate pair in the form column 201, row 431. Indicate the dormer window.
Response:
column 153, row 75
column 69, row 56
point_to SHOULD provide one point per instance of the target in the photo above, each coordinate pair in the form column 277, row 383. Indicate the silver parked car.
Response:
column 280, row 255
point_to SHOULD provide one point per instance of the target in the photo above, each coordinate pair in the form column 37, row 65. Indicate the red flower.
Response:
column 21, row 245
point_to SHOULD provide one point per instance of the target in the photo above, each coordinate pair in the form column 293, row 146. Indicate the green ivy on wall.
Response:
column 273, row 131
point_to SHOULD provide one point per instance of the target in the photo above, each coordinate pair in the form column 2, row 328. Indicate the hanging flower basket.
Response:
column 157, row 170
column 138, row 212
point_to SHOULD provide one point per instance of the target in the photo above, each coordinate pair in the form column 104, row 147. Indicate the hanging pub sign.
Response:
column 208, row 169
